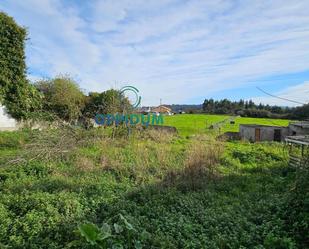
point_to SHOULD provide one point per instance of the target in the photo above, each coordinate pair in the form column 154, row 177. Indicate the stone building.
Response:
column 256, row 133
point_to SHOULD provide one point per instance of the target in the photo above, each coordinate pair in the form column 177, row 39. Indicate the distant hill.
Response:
column 186, row 108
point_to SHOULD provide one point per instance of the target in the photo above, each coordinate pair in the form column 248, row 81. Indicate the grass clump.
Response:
column 201, row 162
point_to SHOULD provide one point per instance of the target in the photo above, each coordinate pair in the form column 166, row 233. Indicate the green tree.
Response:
column 110, row 101
column 19, row 97
column 62, row 97
column 301, row 112
column 23, row 101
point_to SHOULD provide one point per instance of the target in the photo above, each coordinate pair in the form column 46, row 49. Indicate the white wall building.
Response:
column 7, row 123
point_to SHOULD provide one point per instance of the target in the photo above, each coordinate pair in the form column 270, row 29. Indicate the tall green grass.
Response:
column 190, row 124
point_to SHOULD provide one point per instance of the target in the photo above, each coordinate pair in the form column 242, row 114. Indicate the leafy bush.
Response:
column 12, row 56
column 62, row 97
column 119, row 234
column 111, row 101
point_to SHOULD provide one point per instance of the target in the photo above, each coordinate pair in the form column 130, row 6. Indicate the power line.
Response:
column 274, row 96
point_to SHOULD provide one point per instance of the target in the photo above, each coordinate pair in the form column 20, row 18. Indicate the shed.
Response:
column 256, row 133
column 162, row 110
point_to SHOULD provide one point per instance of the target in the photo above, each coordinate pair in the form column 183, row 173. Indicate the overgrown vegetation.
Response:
column 151, row 190
column 67, row 187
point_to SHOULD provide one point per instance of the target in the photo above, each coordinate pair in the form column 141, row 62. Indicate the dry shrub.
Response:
column 104, row 162
column 202, row 159
column 200, row 166
column 54, row 144
column 139, row 160
column 48, row 145
column 115, row 162
column 112, row 165
column 158, row 136
column 154, row 160
column 84, row 164
column 163, row 155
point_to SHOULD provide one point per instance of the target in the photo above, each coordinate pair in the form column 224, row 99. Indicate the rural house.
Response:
column 162, row 110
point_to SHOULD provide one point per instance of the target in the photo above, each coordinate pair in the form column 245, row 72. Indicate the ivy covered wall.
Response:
column 19, row 97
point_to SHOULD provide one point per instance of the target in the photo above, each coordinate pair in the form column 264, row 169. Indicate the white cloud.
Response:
column 169, row 49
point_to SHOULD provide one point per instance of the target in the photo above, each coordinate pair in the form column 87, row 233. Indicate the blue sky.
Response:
column 179, row 51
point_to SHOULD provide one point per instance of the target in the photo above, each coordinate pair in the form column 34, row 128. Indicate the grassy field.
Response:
column 188, row 124
column 72, row 188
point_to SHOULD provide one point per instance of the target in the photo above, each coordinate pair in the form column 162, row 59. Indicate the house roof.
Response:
column 160, row 107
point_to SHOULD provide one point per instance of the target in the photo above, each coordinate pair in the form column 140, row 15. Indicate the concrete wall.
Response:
column 7, row 123
column 266, row 132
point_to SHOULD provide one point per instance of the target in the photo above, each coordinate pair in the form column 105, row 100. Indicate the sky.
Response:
column 175, row 50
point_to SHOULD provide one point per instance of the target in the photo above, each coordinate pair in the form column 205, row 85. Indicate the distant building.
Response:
column 144, row 110
column 161, row 109
column 256, row 133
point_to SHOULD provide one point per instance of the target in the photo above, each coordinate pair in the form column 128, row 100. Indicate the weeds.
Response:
column 172, row 192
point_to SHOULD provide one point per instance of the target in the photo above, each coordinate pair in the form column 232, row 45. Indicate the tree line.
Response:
column 248, row 108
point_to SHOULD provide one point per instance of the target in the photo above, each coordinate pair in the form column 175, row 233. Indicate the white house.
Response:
column 6, row 121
